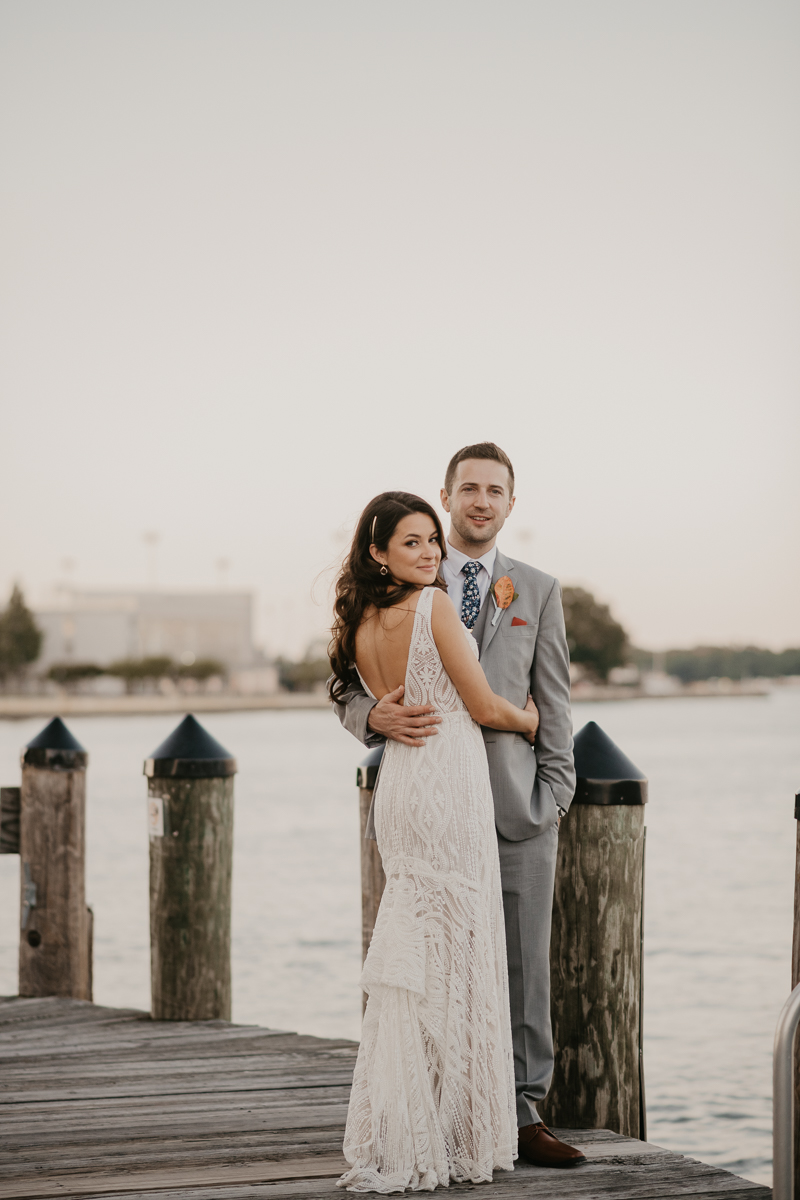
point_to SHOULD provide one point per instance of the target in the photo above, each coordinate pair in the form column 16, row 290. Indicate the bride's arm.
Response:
column 484, row 705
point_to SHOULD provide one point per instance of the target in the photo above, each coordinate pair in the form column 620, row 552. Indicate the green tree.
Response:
column 20, row 637
column 68, row 674
column 731, row 662
column 201, row 668
column 136, row 670
column 595, row 639
column 303, row 676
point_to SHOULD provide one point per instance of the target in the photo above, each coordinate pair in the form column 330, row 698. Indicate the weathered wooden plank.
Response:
column 200, row 1100
column 32, row 1006
column 143, row 1051
column 523, row 1183
column 119, row 1085
column 127, row 1049
column 170, row 1085
column 89, row 1185
column 204, row 1111
column 283, row 1113
column 130, row 1049
column 136, row 1030
column 268, row 1145
column 190, row 1124
column 136, row 1109
column 186, row 1041
column 160, row 1074
column 33, row 1071
column 51, row 1067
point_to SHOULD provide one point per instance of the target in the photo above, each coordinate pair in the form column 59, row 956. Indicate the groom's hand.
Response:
column 400, row 724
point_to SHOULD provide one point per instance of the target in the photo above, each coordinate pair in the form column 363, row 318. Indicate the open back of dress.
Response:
column 433, row 1090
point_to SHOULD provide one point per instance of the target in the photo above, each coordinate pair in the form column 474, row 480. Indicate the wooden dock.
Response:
column 106, row 1104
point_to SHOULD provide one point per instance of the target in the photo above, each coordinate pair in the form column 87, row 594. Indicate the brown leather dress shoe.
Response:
column 539, row 1146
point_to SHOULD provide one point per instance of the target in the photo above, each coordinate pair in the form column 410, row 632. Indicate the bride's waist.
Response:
column 450, row 714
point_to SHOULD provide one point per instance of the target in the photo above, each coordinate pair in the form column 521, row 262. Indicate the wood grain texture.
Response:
column 373, row 880
column 54, row 951
column 192, row 1176
column 9, row 820
column 166, row 1142
column 190, row 900
column 595, row 969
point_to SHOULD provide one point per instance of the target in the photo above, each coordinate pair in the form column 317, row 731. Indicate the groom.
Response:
column 523, row 648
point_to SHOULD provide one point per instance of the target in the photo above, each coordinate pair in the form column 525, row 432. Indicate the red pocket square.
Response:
column 517, row 621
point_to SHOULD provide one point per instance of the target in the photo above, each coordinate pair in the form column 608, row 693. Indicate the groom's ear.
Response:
column 445, row 499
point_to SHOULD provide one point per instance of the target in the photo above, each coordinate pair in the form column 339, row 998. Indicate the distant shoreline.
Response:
column 19, row 708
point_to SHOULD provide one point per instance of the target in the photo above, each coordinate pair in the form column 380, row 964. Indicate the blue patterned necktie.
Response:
column 471, row 600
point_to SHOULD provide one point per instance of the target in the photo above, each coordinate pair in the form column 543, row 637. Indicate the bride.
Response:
column 433, row 1089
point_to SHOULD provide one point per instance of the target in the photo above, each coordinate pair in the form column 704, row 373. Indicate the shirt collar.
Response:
column 455, row 559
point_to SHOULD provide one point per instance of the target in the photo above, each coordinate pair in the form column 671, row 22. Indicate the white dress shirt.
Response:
column 452, row 568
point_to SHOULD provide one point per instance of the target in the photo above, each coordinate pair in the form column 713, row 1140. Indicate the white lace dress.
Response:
column 433, row 1089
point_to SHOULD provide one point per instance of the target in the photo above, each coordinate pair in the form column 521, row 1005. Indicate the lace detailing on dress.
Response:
column 433, row 1089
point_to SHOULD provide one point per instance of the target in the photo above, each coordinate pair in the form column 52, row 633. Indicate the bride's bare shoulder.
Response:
column 441, row 600
column 443, row 611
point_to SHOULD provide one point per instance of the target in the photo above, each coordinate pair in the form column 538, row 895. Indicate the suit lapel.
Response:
column 479, row 628
column 502, row 566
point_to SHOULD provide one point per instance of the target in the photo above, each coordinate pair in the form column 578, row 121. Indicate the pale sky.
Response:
column 262, row 260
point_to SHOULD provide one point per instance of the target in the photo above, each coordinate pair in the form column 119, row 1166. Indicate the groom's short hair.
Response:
column 480, row 450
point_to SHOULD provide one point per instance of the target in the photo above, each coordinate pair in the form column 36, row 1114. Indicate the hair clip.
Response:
column 372, row 535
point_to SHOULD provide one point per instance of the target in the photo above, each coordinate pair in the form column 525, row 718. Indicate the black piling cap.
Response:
column 190, row 752
column 605, row 774
column 367, row 771
column 56, row 749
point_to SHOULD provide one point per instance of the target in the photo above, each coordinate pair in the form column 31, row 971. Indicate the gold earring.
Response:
column 384, row 569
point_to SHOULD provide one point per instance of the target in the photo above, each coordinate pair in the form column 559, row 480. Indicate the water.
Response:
column 718, row 915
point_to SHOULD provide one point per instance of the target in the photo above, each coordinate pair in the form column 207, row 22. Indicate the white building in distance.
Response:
column 102, row 627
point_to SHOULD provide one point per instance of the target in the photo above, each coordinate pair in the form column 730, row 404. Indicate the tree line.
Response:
column 136, row 671
column 597, row 641
column 728, row 662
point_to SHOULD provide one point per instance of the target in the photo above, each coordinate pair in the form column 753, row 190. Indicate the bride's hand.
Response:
column 531, row 708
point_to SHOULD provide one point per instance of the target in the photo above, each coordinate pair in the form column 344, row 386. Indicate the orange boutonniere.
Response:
column 503, row 594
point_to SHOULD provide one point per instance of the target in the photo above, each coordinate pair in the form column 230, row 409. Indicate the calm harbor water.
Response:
column 718, row 909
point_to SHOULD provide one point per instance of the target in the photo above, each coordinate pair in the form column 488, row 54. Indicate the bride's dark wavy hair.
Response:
column 360, row 583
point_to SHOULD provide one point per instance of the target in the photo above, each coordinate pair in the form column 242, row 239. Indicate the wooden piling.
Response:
column 596, row 946
column 55, row 951
column 190, row 808
column 9, row 820
column 373, row 880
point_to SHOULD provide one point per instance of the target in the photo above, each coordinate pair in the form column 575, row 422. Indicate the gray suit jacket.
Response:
column 527, row 784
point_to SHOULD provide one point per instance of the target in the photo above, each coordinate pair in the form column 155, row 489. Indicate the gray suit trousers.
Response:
column 527, row 871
